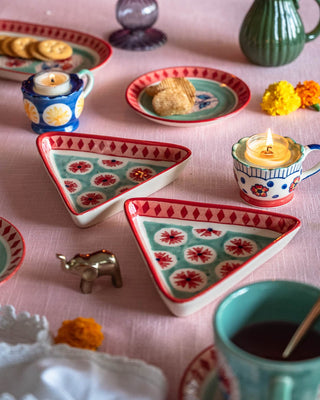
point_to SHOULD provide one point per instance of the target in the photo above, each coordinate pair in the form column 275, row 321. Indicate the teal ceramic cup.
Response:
column 244, row 376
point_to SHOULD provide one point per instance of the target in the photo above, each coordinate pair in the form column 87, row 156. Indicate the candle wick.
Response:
column 269, row 149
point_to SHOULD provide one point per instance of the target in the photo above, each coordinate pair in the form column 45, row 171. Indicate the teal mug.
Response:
column 245, row 376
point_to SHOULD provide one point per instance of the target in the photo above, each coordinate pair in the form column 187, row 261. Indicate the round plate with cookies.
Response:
column 187, row 96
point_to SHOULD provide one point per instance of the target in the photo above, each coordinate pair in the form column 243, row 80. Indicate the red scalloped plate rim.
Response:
column 16, row 262
column 144, row 80
column 35, row 29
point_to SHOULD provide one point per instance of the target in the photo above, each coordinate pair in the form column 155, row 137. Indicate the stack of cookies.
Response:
column 28, row 48
column 172, row 96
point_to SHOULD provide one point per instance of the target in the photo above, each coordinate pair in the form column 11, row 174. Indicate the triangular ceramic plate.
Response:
column 197, row 251
column 12, row 250
column 96, row 174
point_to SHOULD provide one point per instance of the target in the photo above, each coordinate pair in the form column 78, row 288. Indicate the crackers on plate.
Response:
column 172, row 96
column 27, row 47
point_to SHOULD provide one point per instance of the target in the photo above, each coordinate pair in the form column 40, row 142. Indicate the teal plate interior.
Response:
column 219, row 95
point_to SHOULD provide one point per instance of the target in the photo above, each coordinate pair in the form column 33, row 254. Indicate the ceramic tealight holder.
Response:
column 268, row 174
column 54, row 100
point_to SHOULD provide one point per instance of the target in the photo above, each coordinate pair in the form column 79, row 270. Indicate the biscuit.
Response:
column 54, row 49
column 19, row 46
column 5, row 46
column 171, row 102
column 174, row 83
column 34, row 53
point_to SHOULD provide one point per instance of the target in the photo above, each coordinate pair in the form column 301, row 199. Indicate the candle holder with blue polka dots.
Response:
column 271, row 187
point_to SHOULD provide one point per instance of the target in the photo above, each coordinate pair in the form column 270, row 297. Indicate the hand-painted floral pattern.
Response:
column 31, row 111
column 72, row 185
column 123, row 189
column 207, row 233
column 165, row 259
column 91, row 199
column 259, row 190
column 188, row 280
column 240, row 247
column 226, row 267
column 170, row 237
column 104, row 180
column 294, row 183
column 112, row 163
column 200, row 255
column 140, row 174
column 16, row 63
column 79, row 105
column 57, row 114
column 79, row 167
column 204, row 100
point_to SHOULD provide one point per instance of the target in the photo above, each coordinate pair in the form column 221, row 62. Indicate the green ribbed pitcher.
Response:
column 272, row 32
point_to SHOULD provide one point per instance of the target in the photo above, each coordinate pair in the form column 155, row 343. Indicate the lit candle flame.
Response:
column 269, row 143
column 52, row 78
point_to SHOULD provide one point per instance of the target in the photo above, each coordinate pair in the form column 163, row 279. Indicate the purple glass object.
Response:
column 137, row 18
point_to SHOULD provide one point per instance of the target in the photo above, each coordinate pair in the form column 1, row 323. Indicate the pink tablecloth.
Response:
column 135, row 321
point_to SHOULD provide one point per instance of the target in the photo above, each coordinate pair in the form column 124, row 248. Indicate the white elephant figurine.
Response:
column 91, row 266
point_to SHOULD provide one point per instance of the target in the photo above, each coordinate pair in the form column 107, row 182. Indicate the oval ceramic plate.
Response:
column 12, row 250
column 199, row 381
column 219, row 95
column 89, row 52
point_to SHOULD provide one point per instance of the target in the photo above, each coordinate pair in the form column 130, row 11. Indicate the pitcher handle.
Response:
column 281, row 388
column 90, row 80
column 316, row 31
column 316, row 168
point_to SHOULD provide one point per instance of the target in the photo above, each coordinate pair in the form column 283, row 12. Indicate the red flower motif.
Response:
column 199, row 253
column 191, row 279
column 172, row 237
column 91, row 199
column 141, row 174
column 259, row 190
column 208, row 232
column 71, row 186
column 239, row 247
column 80, row 166
column 163, row 259
column 105, row 180
column 111, row 163
column 16, row 62
column 294, row 183
column 228, row 267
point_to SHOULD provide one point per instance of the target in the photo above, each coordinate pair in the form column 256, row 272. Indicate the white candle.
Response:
column 51, row 83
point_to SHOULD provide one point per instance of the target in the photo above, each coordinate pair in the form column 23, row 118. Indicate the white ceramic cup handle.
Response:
column 281, row 388
column 316, row 168
column 90, row 80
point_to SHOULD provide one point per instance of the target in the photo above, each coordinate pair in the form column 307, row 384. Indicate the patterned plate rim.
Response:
column 200, row 367
column 238, row 86
column 16, row 244
column 47, row 141
column 100, row 46
column 205, row 212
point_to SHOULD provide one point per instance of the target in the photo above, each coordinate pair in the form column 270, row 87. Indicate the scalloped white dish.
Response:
column 63, row 372
column 89, row 52
column 196, row 251
column 219, row 95
column 12, row 250
column 95, row 174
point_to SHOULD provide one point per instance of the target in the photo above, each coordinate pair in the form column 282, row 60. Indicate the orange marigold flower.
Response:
column 309, row 93
column 84, row 333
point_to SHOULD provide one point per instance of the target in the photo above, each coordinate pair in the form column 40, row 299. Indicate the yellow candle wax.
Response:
column 267, row 150
column 51, row 83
